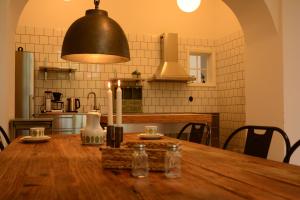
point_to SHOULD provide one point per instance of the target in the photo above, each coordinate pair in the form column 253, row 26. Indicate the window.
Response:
column 202, row 66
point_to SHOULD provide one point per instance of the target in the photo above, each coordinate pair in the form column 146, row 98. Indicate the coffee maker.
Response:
column 57, row 103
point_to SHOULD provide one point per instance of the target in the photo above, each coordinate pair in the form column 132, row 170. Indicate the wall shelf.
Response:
column 127, row 79
column 127, row 82
column 56, row 70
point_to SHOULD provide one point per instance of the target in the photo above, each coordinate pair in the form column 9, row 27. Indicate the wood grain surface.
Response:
column 64, row 169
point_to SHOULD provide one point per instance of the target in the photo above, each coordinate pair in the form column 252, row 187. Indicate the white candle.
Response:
column 119, row 105
column 110, row 107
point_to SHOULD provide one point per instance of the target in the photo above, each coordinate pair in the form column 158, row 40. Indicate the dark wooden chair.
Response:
column 291, row 151
column 5, row 137
column 198, row 130
column 258, row 144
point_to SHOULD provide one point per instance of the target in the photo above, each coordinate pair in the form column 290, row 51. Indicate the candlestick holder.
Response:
column 118, row 136
column 110, row 136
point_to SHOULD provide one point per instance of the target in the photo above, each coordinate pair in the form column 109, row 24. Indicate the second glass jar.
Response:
column 173, row 162
column 140, row 167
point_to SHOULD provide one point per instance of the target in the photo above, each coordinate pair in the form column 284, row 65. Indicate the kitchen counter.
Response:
column 69, row 122
column 163, row 117
column 65, row 122
column 27, row 123
column 212, row 119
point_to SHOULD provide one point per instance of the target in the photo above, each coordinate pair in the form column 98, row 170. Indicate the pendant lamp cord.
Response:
column 96, row 2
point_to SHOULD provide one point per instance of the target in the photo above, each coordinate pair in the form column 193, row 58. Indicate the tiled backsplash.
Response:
column 227, row 98
column 231, row 86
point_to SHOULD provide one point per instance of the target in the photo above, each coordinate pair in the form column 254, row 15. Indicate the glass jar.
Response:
column 140, row 166
column 173, row 162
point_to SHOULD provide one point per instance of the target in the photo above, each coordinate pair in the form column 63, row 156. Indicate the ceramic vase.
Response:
column 93, row 133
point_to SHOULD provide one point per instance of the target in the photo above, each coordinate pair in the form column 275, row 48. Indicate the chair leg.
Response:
column 1, row 146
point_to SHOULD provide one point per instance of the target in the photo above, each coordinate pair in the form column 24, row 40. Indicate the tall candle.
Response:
column 119, row 105
column 110, row 107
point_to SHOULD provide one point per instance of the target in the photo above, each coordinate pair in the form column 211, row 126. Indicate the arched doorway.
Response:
column 263, row 67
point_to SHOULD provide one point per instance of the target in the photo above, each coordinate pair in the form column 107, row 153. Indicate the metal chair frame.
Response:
column 5, row 137
column 291, row 151
column 259, row 144
column 194, row 137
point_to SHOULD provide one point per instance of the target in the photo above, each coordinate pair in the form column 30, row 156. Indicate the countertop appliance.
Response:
column 73, row 104
column 57, row 103
column 24, row 84
column 57, row 96
column 169, row 68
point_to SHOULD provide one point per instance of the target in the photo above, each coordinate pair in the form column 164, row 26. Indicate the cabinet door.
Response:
column 63, row 122
column 68, row 123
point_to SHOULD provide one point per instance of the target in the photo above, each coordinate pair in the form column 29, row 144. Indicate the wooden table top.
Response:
column 64, row 169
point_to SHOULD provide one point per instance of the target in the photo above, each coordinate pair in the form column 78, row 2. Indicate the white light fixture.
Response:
column 188, row 5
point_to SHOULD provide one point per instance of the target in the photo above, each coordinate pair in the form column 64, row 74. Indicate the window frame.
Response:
column 211, row 66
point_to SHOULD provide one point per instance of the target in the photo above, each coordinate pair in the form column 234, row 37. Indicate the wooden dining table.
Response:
column 63, row 168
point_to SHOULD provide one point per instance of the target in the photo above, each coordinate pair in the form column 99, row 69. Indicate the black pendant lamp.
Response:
column 95, row 38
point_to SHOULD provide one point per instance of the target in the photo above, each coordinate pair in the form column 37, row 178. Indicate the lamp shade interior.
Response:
column 95, row 58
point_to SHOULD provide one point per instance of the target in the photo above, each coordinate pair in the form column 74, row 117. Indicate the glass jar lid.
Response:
column 173, row 147
column 139, row 146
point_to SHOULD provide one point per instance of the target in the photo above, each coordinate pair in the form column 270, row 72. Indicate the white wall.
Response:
column 4, row 63
column 291, row 70
column 275, row 10
column 9, row 13
column 263, row 67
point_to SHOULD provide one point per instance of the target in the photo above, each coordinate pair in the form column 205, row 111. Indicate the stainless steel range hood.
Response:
column 170, row 69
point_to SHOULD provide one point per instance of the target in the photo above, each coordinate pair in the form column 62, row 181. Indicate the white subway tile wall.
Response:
column 227, row 98
column 231, row 87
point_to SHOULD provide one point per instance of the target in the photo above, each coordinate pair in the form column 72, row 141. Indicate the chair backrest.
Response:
column 4, row 135
column 291, row 151
column 259, row 144
column 198, row 130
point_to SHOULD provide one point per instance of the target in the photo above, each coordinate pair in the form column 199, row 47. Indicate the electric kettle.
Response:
column 73, row 104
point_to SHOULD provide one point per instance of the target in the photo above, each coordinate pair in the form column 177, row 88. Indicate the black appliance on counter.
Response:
column 57, row 103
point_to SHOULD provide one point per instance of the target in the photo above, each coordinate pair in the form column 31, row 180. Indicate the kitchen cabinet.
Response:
column 66, row 123
column 19, row 124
